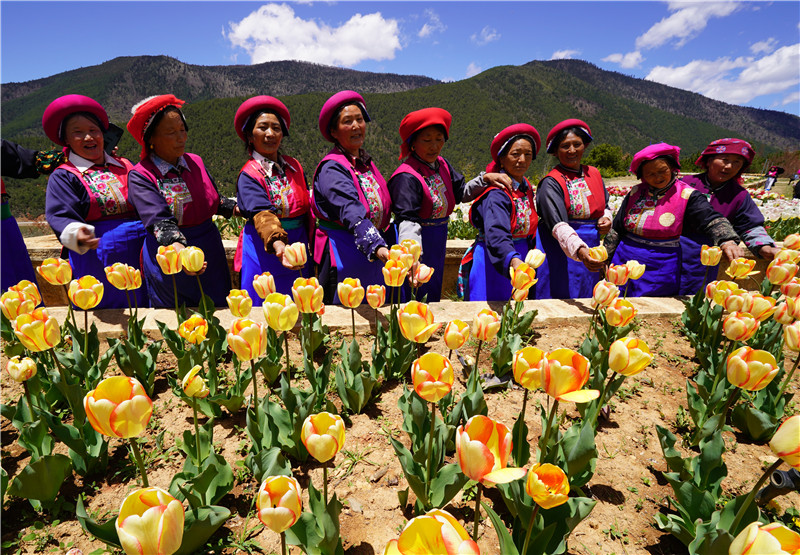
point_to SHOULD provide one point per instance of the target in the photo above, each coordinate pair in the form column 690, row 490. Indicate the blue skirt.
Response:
column 434, row 247
column 256, row 260
column 692, row 271
column 560, row 277
column 351, row 262
column 120, row 241
column 216, row 279
column 485, row 283
column 15, row 264
column 661, row 278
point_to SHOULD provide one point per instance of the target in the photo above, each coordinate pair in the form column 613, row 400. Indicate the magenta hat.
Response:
column 332, row 105
column 257, row 104
column 727, row 146
column 58, row 110
column 566, row 124
column 654, row 151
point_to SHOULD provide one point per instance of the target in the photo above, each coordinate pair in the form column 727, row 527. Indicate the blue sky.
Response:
column 744, row 53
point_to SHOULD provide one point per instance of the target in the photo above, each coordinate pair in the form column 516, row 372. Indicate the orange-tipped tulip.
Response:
column 564, row 374
column 534, row 258
column 787, row 256
column 21, row 369
column 28, row 289
column 150, row 522
column 739, row 301
column 169, row 260
column 247, row 339
column 264, row 284
column 192, row 259
column 307, row 293
column 598, row 254
column 751, row 369
column 604, row 293
column 323, row 435
column 739, row 326
column 763, row 307
column 86, row 292
column 413, row 248
column 239, row 302
column 547, row 485
column 786, row 441
column 523, row 277
column 783, row 313
column 636, row 269
column 416, row 322
column 55, row 271
column 296, row 254
column 134, row 278
column 527, row 367
column 519, row 295
column 482, row 448
column 791, row 336
column 620, row 313
column 765, row 539
column 618, row 274
column 194, row 385
column 401, row 254
column 792, row 241
column 376, row 295
column 37, row 331
column 710, row 256
column 718, row 291
column 423, row 274
column 118, row 407
column 456, row 334
column 394, row 273
column 279, row 503
column 791, row 288
column 435, row 532
column 628, row 356
column 741, row 268
column 194, row 329
column 117, row 275
column 16, row 303
column 485, row 325
column 351, row 293
column 280, row 312
column 432, row 375
column 781, row 273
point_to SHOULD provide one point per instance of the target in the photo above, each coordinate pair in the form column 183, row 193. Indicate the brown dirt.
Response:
column 627, row 484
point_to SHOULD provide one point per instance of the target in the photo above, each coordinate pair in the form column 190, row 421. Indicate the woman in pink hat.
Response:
column 505, row 217
column 572, row 203
column 724, row 161
column 654, row 215
column 87, row 202
column 176, row 199
column 350, row 199
column 272, row 194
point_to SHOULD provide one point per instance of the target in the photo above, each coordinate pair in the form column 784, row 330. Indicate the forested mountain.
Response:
column 622, row 111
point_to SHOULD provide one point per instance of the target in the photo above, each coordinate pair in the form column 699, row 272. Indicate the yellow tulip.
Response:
column 519, row 295
column 28, row 289
column 781, row 273
column 718, row 291
column 296, row 254
column 394, row 272
column 628, row 356
column 636, row 269
column 239, row 302
column 547, row 485
column 37, row 330
column 710, row 256
column 620, row 313
column 117, row 275
column 534, row 258
column 55, row 271
column 118, row 407
column 618, row 274
column 350, row 292
column 791, row 288
column 786, row 441
column 194, row 385
column 16, row 303
column 765, row 539
column 323, row 435
column 527, row 367
column 792, row 241
column 416, row 322
column 604, row 293
column 435, row 532
column 783, row 313
column 194, row 329
column 413, row 248
column 598, row 254
column 739, row 326
column 485, row 325
column 134, row 278
column 280, row 312
column 150, row 522
column 247, row 339
column 307, row 294
column 751, row 369
column 456, row 334
column 483, row 447
column 264, row 284
column 791, row 336
column 432, row 376
column 741, row 268
column 763, row 307
column 787, row 256
column 523, row 277
column 376, row 295
column 279, row 503
column 564, row 373
column 86, row 292
column 401, row 254
column 739, row 301
column 21, row 369
column 192, row 259
column 169, row 260
column 423, row 274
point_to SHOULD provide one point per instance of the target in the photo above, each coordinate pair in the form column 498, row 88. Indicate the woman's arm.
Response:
column 66, row 206
column 406, row 193
column 700, row 215
column 153, row 210
column 493, row 217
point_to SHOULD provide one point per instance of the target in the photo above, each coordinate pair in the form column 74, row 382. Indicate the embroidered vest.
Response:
column 584, row 196
column 524, row 218
column 657, row 219
column 437, row 187
column 107, row 189
column 287, row 193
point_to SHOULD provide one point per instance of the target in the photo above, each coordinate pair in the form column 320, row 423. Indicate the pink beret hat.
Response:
column 727, row 146
column 654, row 151
column 420, row 119
column 333, row 104
column 143, row 114
column 566, row 124
column 58, row 110
column 257, row 104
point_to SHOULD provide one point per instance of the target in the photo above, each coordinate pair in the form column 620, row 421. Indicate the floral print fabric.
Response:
column 438, row 191
column 371, row 190
column 106, row 189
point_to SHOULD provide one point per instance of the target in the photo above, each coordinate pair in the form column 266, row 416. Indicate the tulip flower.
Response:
column 434, row 532
column 564, row 374
column 169, row 260
column 628, row 356
column 765, row 539
column 620, row 313
column 751, row 369
column 323, row 435
column 527, row 367
column 598, row 254
column 547, row 485
column 519, row 296
column 401, row 254
column 279, row 503
column 16, row 303
column 456, row 334
column 618, row 274
column 192, row 259
column 792, row 241
column 739, row 326
column 534, row 258
column 264, row 284
column 86, row 292
column 118, row 407
column 150, row 522
column 718, row 291
column 423, row 273
column 194, row 385
column 783, row 313
column 307, row 294
column 416, row 322
column 739, row 301
column 55, row 271
column 786, row 441
column 194, row 329
column 604, row 293
column 247, row 339
column 21, row 369
column 432, row 375
column 394, row 272
column 789, row 256
column 350, row 292
column 794, row 307
column 296, row 255
column 37, row 330
column 523, row 277
column 636, row 269
column 710, row 256
column 780, row 273
column 413, row 248
column 791, row 336
column 376, row 295
column 741, row 268
column 239, row 302
column 791, row 288
column 117, row 275
column 28, row 289
column 763, row 307
column 280, row 312
column 485, row 325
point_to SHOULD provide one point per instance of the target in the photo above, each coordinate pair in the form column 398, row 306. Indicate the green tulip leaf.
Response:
column 106, row 532
column 268, row 462
column 507, row 546
column 200, row 525
column 41, row 479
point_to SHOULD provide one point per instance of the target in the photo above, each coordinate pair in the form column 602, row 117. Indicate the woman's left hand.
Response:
column 279, row 247
column 768, row 252
column 382, row 254
column 732, row 250
column 604, row 225
column 236, row 213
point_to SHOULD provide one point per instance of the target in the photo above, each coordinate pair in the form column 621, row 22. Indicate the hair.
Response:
column 669, row 159
column 62, row 128
column 157, row 119
column 250, row 124
column 506, row 147
column 335, row 119
column 558, row 139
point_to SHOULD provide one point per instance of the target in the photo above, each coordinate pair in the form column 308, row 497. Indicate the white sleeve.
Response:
column 568, row 239
column 69, row 237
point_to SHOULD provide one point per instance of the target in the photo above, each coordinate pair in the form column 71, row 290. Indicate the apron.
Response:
column 663, row 261
column 559, row 276
column 256, row 260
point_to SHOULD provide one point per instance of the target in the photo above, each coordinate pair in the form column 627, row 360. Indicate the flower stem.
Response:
column 86, row 333
column 450, row 354
column 130, row 307
column 478, row 356
column 430, row 452
column 749, row 499
column 202, row 296
column 255, row 388
column 283, row 534
column 286, row 348
column 29, row 399
column 353, row 321
column 175, row 293
column 530, row 529
column 196, row 431
column 545, row 448
column 477, row 512
column 789, row 377
column 137, row 457
column 721, row 367
column 325, row 483
column 71, row 312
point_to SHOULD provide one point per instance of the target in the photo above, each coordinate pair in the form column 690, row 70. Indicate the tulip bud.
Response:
column 278, row 503
column 710, row 256
column 194, row 385
column 432, row 376
column 598, row 254
column 192, row 259
column 620, row 313
column 416, row 322
column 413, row 248
column 423, row 274
column 786, row 441
column 376, row 295
column 711, row 288
column 16, row 303
column 604, row 293
column 55, row 271
column 791, row 336
column 739, row 326
column 280, row 312
column 394, row 273
column 527, row 367
column 628, row 356
column 86, row 292
column 434, row 532
column 751, row 369
column 295, row 254
column 482, row 448
column 28, row 289
column 150, row 521
column 37, row 331
column 564, row 374
column 547, row 484
column 534, row 258
column 350, row 292
column 323, row 435
column 763, row 539
column 791, row 288
column 247, row 339
column 783, row 314
column 722, row 290
column 781, row 273
column 194, row 329
column 117, row 275
column 239, row 302
column 134, row 278
column 456, row 334
column 636, row 269
column 169, row 260
column 741, row 268
column 118, row 407
column 763, row 307
column 307, row 294
column 794, row 307
column 618, row 274
column 21, row 369
column 792, row 241
column 522, row 277
column 739, row 301
column 485, row 325
column 264, row 284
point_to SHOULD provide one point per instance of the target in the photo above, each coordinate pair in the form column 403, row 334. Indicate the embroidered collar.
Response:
column 82, row 164
column 363, row 156
column 268, row 164
column 434, row 166
column 164, row 166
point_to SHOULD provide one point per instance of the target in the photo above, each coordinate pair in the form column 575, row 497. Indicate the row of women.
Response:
column 104, row 209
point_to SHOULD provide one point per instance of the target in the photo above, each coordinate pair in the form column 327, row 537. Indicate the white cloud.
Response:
column 629, row 60
column 487, row 35
column 764, row 46
column 685, row 23
column 564, row 54
column 274, row 32
column 473, row 69
column 433, row 25
column 792, row 98
column 770, row 74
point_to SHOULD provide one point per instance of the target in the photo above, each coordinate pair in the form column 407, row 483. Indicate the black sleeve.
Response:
column 458, row 183
column 550, row 204
column 406, row 193
column 701, row 217
column 18, row 162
